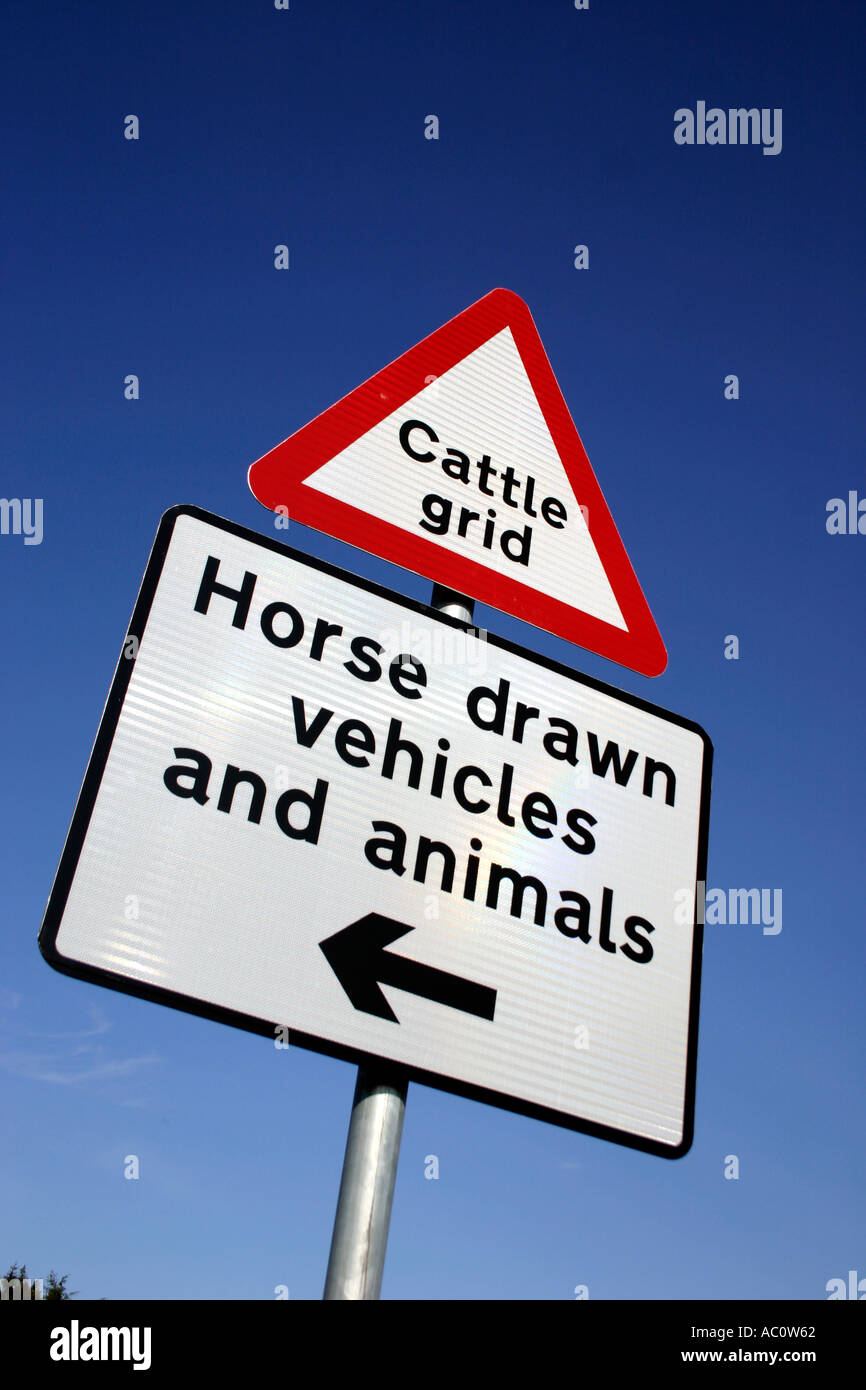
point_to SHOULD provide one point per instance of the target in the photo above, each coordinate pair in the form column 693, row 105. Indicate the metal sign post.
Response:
column 367, row 1187
column 363, row 1215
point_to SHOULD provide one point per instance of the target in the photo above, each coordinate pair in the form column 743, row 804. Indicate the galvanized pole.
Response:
column 363, row 1215
column 455, row 605
column 367, row 1186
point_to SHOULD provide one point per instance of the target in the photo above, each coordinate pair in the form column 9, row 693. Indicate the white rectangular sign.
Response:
column 313, row 805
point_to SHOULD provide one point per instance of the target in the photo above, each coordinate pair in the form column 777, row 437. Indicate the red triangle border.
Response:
column 277, row 480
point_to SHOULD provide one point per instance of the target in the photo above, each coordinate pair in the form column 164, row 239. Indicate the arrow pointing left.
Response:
column 358, row 958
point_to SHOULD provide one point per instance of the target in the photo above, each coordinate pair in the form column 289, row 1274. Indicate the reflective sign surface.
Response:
column 315, row 806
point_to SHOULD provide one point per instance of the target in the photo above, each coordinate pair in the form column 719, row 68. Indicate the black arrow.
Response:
column 358, row 958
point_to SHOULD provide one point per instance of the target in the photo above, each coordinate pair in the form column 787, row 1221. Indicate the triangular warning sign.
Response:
column 461, row 462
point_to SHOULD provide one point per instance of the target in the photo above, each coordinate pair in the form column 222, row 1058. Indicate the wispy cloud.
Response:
column 36, row 1066
column 78, row 1061
column 100, row 1023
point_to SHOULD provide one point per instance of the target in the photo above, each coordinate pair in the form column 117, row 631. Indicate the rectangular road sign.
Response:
column 315, row 806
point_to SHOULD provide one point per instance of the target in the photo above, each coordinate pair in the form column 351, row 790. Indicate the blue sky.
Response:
column 155, row 257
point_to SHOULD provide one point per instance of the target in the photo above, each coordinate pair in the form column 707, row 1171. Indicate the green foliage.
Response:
column 54, row 1288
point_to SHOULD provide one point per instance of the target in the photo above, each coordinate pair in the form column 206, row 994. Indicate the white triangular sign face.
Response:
column 460, row 461
column 485, row 405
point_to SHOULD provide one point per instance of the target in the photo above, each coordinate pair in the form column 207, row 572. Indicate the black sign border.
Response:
column 398, row 1071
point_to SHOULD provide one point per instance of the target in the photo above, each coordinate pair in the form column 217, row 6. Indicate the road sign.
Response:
column 314, row 806
column 460, row 461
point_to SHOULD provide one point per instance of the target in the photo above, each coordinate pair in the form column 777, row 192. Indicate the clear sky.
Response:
column 155, row 256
